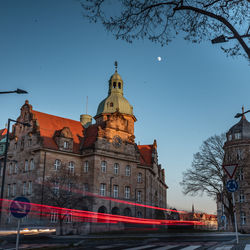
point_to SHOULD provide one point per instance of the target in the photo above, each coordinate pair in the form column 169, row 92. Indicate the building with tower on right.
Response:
column 237, row 152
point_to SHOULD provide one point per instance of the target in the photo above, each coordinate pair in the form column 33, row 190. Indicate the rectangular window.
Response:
column 26, row 166
column 116, row 191
column 127, row 192
column 103, row 189
column 57, row 164
column 242, row 196
column 71, row 167
column 128, row 171
column 103, row 166
column 241, row 174
column 70, row 186
column 243, row 218
column 116, row 168
column 85, row 187
column 10, row 168
column 24, row 188
column 8, row 190
column 68, row 218
column 32, row 165
column 230, row 137
column 14, row 189
column 53, row 217
column 139, row 196
column 30, row 187
column 139, row 177
column 237, row 136
column 56, row 188
column 86, row 167
column 16, row 168
column 66, row 144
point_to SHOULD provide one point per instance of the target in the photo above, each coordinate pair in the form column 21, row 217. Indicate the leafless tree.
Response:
column 62, row 189
column 206, row 174
column 161, row 20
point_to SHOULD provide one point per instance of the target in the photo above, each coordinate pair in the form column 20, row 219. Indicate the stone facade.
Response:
column 237, row 148
column 103, row 155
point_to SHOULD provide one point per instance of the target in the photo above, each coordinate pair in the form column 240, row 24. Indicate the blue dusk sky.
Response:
column 50, row 50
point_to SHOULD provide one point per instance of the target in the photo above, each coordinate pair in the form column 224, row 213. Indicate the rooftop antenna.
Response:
column 87, row 105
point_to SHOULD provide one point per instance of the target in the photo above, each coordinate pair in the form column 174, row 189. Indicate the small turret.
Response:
column 86, row 120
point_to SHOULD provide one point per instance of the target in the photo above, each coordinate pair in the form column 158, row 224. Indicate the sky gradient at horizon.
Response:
column 50, row 50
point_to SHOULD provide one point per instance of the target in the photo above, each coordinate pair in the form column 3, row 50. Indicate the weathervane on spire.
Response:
column 116, row 65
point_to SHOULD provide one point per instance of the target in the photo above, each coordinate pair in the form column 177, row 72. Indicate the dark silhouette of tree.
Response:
column 161, row 20
column 206, row 174
column 62, row 189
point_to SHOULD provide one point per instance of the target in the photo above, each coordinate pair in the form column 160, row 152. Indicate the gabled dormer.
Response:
column 64, row 139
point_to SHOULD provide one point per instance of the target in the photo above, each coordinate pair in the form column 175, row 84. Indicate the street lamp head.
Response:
column 21, row 91
column 238, row 115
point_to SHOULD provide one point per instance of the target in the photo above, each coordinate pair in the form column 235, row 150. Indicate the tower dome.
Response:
column 240, row 130
column 115, row 100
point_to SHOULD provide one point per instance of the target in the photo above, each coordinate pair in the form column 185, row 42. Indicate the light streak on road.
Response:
column 82, row 215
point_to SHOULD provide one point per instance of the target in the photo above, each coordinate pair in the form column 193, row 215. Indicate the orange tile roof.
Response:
column 3, row 132
column 49, row 124
column 146, row 154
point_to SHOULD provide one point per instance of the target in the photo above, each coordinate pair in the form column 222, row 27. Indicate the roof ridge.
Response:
column 56, row 116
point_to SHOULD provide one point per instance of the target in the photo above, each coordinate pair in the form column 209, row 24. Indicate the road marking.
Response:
column 247, row 247
column 191, row 247
column 141, row 247
column 224, row 248
column 165, row 248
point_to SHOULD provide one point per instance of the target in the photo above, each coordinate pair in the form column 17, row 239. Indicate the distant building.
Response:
column 237, row 151
column 3, row 133
column 104, row 155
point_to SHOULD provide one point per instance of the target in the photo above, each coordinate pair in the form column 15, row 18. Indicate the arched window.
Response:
column 114, row 85
column 119, row 85
column 111, row 104
column 139, row 214
column 102, row 209
column 115, row 210
column 127, row 212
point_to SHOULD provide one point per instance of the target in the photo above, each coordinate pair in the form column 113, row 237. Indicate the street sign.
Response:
column 232, row 186
column 20, row 207
column 230, row 170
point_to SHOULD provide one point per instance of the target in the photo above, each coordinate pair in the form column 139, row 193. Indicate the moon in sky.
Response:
column 159, row 58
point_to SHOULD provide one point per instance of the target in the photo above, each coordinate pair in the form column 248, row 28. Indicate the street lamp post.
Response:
column 110, row 192
column 5, row 161
column 224, row 39
column 18, row 91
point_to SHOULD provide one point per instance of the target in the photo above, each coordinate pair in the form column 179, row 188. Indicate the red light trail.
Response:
column 94, row 217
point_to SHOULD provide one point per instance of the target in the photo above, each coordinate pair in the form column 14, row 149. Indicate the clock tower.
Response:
column 115, row 114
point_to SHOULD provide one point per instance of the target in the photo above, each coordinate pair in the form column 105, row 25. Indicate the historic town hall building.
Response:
column 103, row 155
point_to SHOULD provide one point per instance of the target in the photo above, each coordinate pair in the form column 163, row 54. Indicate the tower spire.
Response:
column 116, row 65
column 243, row 115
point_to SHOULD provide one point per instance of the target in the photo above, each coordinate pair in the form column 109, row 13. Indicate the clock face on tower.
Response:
column 117, row 141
